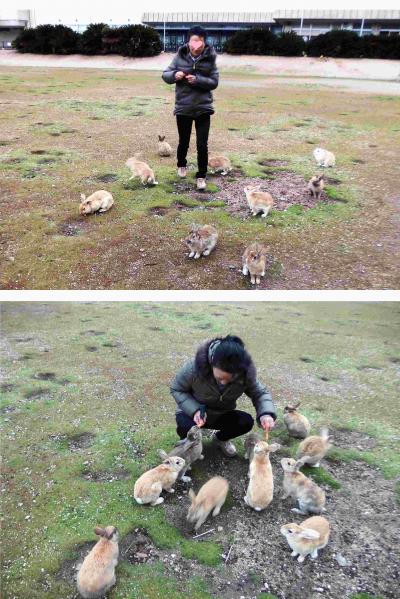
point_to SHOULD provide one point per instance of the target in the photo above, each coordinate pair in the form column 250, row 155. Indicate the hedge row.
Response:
column 138, row 40
column 337, row 43
column 98, row 38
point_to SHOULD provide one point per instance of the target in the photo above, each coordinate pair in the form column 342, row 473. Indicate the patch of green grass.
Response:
column 365, row 596
column 32, row 164
column 321, row 477
column 147, row 581
column 267, row 596
column 124, row 109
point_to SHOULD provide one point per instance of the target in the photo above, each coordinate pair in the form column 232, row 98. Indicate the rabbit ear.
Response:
column 296, row 405
column 309, row 533
column 83, row 197
column 99, row 531
column 192, row 494
column 299, row 464
column 163, row 454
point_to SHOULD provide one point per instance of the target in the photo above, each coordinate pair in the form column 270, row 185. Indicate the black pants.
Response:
column 229, row 425
column 202, row 124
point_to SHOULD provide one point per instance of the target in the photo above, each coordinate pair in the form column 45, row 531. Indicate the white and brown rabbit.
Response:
column 298, row 426
column 249, row 444
column 96, row 575
column 164, row 149
column 310, row 497
column 149, row 486
column 316, row 186
column 324, row 157
column 142, row 170
column 201, row 240
column 259, row 201
column 260, row 491
column 308, row 537
column 220, row 164
column 99, row 201
column 190, row 449
column 254, row 262
column 210, row 498
column 314, row 448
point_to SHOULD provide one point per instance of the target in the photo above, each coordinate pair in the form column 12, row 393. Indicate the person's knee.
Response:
column 184, row 424
column 246, row 421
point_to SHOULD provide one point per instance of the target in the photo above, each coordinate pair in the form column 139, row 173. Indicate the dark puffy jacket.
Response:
column 196, row 98
column 191, row 389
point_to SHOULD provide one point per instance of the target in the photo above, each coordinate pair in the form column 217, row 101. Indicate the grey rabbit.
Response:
column 190, row 449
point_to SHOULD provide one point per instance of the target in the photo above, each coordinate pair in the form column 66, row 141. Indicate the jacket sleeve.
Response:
column 209, row 82
column 169, row 73
column 261, row 398
column 181, row 389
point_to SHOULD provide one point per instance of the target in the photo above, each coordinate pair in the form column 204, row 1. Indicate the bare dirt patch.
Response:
column 73, row 226
column 362, row 536
column 80, row 441
column 287, row 189
column 348, row 439
column 137, row 547
column 105, row 476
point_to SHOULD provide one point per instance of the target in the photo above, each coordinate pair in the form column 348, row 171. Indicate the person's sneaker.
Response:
column 201, row 184
column 182, row 172
column 227, row 447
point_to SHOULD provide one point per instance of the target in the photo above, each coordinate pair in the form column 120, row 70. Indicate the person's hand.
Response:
column 267, row 422
column 191, row 78
column 179, row 75
column 198, row 419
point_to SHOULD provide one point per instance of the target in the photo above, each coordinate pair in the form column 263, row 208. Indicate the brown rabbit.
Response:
column 259, row 201
column 202, row 240
column 211, row 497
column 261, row 486
column 314, row 448
column 149, row 486
column 190, row 449
column 99, row 201
column 316, row 186
column 97, row 573
column 220, row 164
column 324, row 157
column 254, row 262
column 164, row 149
column 249, row 443
column 306, row 538
column 310, row 497
column 142, row 170
column 298, row 426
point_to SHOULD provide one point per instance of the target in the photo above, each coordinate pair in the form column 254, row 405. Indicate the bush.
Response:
column 251, row 41
column 132, row 40
column 378, row 46
column 289, row 44
column 98, row 38
column 338, row 43
column 47, row 39
column 91, row 40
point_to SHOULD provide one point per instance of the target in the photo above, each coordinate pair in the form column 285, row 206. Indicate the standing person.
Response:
column 207, row 388
column 195, row 74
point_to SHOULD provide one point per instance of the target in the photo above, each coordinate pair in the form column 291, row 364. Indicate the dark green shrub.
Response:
column 336, row 43
column 132, row 40
column 251, row 41
column 289, row 44
column 91, row 40
column 47, row 39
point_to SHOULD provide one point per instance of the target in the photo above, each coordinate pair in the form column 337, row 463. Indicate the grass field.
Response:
column 86, row 404
column 65, row 132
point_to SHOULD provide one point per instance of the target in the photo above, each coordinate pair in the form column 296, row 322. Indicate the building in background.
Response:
column 12, row 22
column 173, row 27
